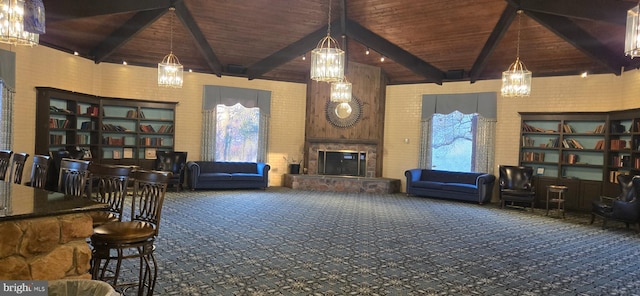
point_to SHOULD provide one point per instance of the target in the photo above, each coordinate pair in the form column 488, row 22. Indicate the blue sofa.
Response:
column 473, row 187
column 227, row 175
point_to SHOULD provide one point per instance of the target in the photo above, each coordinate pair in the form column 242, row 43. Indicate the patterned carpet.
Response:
column 287, row 242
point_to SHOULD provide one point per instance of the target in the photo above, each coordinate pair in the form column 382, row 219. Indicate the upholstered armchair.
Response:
column 516, row 185
column 625, row 207
column 174, row 162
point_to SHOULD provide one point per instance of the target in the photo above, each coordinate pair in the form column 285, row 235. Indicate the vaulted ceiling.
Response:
column 432, row 41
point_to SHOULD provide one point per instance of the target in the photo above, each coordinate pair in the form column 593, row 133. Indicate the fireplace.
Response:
column 357, row 159
column 342, row 163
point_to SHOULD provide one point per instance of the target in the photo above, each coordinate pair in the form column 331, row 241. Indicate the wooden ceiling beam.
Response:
column 120, row 36
column 507, row 17
column 73, row 9
column 198, row 37
column 394, row 52
column 595, row 10
column 580, row 39
column 292, row 51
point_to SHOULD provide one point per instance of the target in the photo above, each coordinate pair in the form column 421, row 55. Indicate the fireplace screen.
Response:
column 342, row 163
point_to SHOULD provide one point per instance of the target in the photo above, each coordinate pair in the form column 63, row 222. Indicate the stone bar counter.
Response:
column 43, row 235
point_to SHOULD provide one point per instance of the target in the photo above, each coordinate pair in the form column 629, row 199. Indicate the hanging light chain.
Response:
column 329, row 20
column 518, row 40
column 173, row 11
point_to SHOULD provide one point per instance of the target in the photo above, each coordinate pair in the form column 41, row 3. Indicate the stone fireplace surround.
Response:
column 313, row 181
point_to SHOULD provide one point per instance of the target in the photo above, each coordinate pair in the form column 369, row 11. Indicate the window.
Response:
column 458, row 132
column 237, row 133
column 452, row 142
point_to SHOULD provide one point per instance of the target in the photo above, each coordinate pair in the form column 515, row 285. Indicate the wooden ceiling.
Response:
column 430, row 41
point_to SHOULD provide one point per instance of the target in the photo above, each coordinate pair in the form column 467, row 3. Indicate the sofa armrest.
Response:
column 263, row 169
column 485, row 184
column 193, row 174
column 412, row 175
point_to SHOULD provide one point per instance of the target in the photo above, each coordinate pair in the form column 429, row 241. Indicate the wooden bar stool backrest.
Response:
column 73, row 176
column 148, row 196
column 17, row 167
column 109, row 185
column 5, row 160
column 39, row 171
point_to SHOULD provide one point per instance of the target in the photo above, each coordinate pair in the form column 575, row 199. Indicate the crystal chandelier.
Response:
column 632, row 36
column 21, row 21
column 170, row 70
column 341, row 91
column 327, row 59
column 516, row 81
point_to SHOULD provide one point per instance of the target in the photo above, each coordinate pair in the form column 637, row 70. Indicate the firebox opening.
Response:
column 342, row 163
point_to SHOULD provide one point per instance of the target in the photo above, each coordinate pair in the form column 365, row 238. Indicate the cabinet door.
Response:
column 589, row 192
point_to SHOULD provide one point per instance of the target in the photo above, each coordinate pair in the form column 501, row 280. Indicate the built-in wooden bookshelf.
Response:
column 109, row 130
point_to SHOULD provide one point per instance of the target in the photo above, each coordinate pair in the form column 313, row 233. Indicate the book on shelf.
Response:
column 572, row 143
column 530, row 128
column 613, row 176
column 599, row 145
column 533, row 156
column 527, row 142
column 566, row 128
column 572, row 158
column 599, row 129
column 93, row 110
column 127, row 152
column 113, row 141
column 617, row 144
column 117, row 154
column 150, row 153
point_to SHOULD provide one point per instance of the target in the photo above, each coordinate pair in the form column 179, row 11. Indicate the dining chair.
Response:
column 72, row 179
column 134, row 239
column 5, row 160
column 39, row 171
column 108, row 184
column 17, row 167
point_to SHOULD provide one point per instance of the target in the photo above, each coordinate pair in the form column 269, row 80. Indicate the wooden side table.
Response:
column 559, row 191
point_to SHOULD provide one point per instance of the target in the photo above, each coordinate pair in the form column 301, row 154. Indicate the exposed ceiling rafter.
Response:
column 207, row 52
column 595, row 10
column 119, row 37
column 394, row 52
column 73, row 9
column 580, row 39
column 507, row 17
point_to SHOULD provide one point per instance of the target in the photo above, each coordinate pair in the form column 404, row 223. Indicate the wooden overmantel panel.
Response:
column 369, row 84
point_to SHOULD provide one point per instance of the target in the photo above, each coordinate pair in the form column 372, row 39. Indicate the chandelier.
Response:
column 516, row 81
column 21, row 21
column 632, row 36
column 327, row 59
column 170, row 70
column 341, row 91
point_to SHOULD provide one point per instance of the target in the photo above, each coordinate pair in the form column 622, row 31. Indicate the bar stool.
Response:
column 17, row 167
column 108, row 185
column 39, row 171
column 559, row 191
column 72, row 179
column 5, row 160
column 118, row 241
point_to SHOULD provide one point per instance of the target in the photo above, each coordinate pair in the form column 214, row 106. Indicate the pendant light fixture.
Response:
column 516, row 81
column 170, row 70
column 21, row 21
column 632, row 35
column 327, row 59
column 341, row 91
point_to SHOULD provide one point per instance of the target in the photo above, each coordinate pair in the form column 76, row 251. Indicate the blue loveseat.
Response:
column 227, row 175
column 474, row 187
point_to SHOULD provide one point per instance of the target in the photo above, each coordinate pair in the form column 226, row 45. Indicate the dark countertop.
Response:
column 24, row 202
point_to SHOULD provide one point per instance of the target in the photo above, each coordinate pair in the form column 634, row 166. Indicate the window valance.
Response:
column 481, row 103
column 214, row 95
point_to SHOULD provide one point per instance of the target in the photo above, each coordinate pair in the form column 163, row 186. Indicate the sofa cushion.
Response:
column 235, row 167
column 428, row 184
column 214, row 177
column 246, row 177
column 460, row 187
column 448, row 177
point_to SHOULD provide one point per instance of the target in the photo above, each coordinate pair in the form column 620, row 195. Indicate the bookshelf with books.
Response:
column 566, row 149
column 112, row 130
